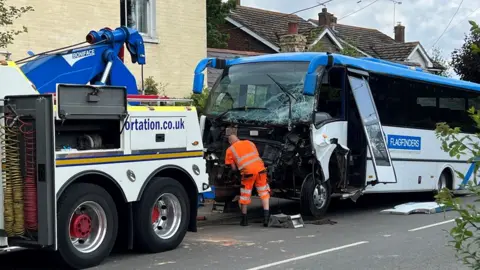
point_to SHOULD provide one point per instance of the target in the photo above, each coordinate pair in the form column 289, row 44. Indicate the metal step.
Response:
column 286, row 221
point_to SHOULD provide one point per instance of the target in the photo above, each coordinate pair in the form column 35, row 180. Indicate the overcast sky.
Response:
column 424, row 20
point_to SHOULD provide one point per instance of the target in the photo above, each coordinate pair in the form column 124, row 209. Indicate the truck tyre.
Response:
column 315, row 198
column 87, row 225
column 162, row 215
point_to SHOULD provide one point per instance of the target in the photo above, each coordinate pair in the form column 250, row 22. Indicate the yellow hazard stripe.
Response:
column 124, row 158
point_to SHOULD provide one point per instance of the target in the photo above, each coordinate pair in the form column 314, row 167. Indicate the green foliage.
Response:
column 200, row 100
column 154, row 88
column 349, row 51
column 8, row 14
column 475, row 29
column 466, row 60
column 465, row 234
column 217, row 11
column 438, row 58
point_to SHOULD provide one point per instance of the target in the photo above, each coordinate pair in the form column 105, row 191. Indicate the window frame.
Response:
column 439, row 92
column 151, row 36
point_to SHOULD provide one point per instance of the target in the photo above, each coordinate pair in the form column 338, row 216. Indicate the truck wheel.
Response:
column 161, row 217
column 87, row 225
column 315, row 198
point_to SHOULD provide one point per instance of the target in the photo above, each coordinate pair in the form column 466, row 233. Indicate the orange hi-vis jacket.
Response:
column 245, row 156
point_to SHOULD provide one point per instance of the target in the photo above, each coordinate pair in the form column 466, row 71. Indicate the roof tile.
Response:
column 270, row 25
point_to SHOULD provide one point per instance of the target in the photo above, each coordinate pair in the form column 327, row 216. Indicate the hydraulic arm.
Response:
column 100, row 62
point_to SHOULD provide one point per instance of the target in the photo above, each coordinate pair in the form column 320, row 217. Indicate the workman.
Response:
column 243, row 155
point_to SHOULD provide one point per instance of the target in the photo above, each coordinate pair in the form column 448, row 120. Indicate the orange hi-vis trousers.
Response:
column 248, row 181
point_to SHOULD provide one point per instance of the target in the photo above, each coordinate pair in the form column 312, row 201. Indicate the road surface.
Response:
column 359, row 238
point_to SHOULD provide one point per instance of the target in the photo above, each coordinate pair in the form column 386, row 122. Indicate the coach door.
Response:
column 377, row 146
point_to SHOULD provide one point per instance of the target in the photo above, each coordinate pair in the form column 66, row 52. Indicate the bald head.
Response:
column 232, row 139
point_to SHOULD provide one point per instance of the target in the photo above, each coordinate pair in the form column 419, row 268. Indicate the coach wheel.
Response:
column 161, row 216
column 87, row 225
column 315, row 198
column 442, row 182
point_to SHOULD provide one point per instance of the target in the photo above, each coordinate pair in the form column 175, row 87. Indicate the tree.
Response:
column 200, row 100
column 8, row 14
column 438, row 58
column 217, row 11
column 466, row 232
column 151, row 87
column 466, row 60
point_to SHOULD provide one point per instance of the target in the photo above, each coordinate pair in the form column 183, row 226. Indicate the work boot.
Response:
column 244, row 221
column 266, row 217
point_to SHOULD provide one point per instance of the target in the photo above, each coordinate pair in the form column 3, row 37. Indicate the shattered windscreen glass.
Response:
column 261, row 92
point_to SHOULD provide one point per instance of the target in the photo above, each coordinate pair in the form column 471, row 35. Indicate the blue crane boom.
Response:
column 99, row 63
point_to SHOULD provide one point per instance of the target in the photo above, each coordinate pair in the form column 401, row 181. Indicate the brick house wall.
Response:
column 171, row 59
column 241, row 41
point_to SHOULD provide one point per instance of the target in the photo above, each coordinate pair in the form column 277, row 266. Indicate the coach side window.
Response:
column 453, row 105
column 403, row 103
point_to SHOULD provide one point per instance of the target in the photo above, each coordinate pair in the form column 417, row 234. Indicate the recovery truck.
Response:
column 83, row 165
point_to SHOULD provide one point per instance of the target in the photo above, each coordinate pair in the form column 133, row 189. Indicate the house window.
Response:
column 139, row 15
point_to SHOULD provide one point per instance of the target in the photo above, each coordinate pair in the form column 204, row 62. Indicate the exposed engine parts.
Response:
column 286, row 154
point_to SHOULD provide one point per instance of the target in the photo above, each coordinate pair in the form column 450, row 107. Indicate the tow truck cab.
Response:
column 291, row 106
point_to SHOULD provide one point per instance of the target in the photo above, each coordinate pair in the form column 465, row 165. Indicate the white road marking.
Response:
column 308, row 255
column 432, row 225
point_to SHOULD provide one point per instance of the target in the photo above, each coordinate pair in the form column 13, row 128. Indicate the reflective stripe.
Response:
column 246, row 156
column 234, row 152
column 246, row 191
column 249, row 162
column 239, row 159
column 262, row 188
column 261, row 193
column 244, row 198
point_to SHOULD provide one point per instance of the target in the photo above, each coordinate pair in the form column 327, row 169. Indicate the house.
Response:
column 175, row 39
column 212, row 73
column 258, row 30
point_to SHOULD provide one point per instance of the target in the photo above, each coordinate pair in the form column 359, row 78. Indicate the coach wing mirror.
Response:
column 199, row 77
column 321, row 117
column 310, row 84
column 198, row 82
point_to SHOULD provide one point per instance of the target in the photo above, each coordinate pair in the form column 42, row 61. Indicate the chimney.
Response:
column 399, row 31
column 293, row 41
column 292, row 28
column 238, row 2
column 326, row 19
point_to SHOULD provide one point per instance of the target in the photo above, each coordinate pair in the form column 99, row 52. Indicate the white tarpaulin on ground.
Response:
column 416, row 207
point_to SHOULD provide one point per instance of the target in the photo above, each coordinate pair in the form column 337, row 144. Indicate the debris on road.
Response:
column 286, row 221
column 324, row 221
column 416, row 207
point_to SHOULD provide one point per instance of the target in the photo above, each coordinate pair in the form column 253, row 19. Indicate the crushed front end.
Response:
column 263, row 103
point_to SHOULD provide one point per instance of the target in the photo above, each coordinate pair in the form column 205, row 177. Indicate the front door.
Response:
column 377, row 146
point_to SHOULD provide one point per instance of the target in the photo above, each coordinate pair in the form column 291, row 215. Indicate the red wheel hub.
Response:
column 155, row 214
column 80, row 226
